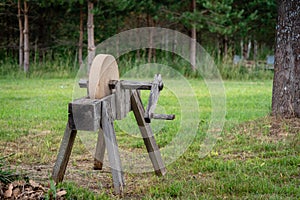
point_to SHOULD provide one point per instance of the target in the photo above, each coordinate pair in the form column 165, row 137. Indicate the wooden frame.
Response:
column 91, row 115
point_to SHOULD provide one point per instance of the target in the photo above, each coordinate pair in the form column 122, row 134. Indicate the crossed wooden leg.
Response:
column 107, row 139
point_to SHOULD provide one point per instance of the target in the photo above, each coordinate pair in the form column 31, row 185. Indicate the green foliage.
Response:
column 223, row 18
column 54, row 24
column 51, row 193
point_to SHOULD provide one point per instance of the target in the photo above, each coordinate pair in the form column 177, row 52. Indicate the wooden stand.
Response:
column 92, row 115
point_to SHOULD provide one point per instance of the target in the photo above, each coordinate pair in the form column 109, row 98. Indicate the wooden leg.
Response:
column 100, row 150
column 147, row 134
column 64, row 154
column 112, row 147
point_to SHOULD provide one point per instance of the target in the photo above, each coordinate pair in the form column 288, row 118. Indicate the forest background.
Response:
column 58, row 39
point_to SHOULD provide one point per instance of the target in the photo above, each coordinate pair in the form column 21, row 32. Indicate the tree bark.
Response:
column 149, row 22
column 286, row 83
column 255, row 50
column 153, row 49
column 90, row 27
column 242, row 48
column 138, row 54
column 26, row 38
column 225, row 43
column 174, row 46
column 80, row 43
column 21, row 38
column 193, row 40
column 248, row 49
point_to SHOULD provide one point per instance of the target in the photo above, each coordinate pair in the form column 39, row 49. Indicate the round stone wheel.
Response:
column 104, row 68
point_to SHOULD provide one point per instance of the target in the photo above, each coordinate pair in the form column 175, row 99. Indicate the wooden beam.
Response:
column 86, row 112
column 133, row 85
column 119, row 96
column 147, row 134
column 64, row 154
column 112, row 147
column 100, row 150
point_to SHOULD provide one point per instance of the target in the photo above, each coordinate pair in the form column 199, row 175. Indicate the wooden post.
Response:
column 100, row 150
column 64, row 154
column 112, row 147
column 119, row 110
column 147, row 134
column 26, row 38
column 153, row 98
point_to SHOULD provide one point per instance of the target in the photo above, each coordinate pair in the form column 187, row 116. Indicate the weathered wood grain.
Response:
column 127, row 102
column 118, row 93
column 100, row 150
column 112, row 147
column 86, row 113
column 153, row 98
column 147, row 134
column 162, row 116
column 64, row 154
column 99, row 114
column 134, row 85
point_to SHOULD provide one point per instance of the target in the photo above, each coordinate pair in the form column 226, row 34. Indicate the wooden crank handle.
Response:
column 153, row 97
column 162, row 116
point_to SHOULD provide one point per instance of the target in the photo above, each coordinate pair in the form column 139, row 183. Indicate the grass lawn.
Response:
column 256, row 157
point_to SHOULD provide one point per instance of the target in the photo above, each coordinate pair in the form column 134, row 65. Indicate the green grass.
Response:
column 247, row 161
column 33, row 105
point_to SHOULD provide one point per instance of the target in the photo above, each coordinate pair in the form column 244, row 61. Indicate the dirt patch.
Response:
column 270, row 128
column 284, row 127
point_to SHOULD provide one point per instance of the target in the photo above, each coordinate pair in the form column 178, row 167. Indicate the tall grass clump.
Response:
column 6, row 174
column 62, row 65
column 65, row 65
column 130, row 61
column 227, row 69
column 230, row 71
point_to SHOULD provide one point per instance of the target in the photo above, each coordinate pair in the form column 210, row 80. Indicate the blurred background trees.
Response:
column 57, row 28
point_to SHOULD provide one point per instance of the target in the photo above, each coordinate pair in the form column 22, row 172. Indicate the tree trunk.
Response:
column 21, row 38
column 80, row 43
column 255, row 50
column 149, row 22
column 174, row 47
column 153, row 49
column 35, row 49
column 26, row 38
column 90, row 27
column 248, row 50
column 193, row 40
column 225, row 43
column 138, row 55
column 242, row 48
column 286, row 83
column 118, row 38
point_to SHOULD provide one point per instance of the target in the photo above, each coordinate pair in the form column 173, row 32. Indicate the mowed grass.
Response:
column 247, row 162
